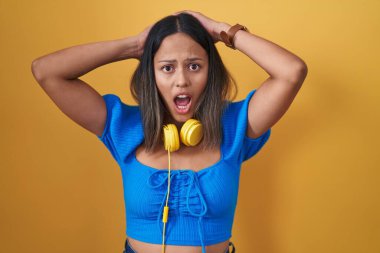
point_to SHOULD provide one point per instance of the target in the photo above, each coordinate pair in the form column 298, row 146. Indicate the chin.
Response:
column 182, row 118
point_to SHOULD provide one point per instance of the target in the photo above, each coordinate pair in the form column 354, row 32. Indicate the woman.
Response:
column 180, row 77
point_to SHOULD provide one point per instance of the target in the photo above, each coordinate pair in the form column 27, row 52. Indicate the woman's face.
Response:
column 181, row 70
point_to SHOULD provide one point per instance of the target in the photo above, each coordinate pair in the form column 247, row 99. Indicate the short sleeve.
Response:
column 252, row 146
column 237, row 145
column 123, row 131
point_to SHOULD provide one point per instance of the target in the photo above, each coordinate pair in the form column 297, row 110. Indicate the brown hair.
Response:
column 212, row 102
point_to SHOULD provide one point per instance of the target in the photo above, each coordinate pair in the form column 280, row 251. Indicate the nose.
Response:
column 181, row 79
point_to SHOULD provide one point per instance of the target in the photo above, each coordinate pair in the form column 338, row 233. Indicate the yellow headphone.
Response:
column 191, row 134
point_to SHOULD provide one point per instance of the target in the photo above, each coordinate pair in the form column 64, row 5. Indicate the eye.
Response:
column 194, row 67
column 167, row 68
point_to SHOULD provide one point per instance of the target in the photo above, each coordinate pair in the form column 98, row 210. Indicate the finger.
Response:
column 194, row 13
column 179, row 12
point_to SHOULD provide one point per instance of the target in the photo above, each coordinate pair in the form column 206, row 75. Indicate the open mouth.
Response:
column 182, row 103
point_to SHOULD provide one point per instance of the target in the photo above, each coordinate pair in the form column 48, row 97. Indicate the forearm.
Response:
column 75, row 61
column 275, row 60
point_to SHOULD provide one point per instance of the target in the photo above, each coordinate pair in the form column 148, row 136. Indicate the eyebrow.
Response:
column 188, row 59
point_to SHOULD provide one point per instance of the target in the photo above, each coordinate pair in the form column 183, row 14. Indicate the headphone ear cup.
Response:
column 191, row 132
column 171, row 138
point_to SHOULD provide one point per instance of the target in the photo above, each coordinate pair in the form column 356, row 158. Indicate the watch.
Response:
column 228, row 37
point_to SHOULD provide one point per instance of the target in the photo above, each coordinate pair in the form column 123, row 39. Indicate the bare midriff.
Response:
column 143, row 247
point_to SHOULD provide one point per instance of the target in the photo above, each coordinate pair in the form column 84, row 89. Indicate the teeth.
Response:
column 183, row 107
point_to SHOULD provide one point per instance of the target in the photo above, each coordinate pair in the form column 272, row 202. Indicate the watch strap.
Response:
column 228, row 37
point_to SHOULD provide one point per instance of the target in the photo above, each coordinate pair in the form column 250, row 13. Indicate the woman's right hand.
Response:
column 140, row 40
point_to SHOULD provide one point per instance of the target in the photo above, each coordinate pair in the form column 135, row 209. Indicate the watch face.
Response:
column 225, row 38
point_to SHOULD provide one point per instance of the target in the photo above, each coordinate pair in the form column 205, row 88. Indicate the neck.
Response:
column 170, row 120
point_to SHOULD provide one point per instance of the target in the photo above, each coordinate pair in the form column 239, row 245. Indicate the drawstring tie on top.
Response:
column 160, row 177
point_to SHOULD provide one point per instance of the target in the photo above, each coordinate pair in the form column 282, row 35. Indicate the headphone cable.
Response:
column 166, row 208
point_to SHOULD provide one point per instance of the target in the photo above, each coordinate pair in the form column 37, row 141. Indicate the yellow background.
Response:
column 313, row 188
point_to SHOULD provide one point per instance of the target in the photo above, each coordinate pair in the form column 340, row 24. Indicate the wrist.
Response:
column 130, row 48
column 221, row 27
column 229, row 37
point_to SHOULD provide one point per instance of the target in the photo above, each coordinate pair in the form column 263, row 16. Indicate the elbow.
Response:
column 302, row 70
column 36, row 71
column 299, row 73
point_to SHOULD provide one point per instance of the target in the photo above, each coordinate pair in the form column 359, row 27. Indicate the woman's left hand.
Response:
column 213, row 27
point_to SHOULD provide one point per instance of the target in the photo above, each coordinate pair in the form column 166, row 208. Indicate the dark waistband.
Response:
column 128, row 246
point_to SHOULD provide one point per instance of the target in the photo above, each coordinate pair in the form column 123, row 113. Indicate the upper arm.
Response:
column 78, row 100
column 270, row 102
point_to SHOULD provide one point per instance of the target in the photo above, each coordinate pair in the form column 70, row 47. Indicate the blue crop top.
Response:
column 202, row 204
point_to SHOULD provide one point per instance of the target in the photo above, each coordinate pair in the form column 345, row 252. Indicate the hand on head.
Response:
column 140, row 40
column 213, row 27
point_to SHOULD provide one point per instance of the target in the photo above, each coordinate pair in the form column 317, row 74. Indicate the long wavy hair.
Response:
column 220, row 89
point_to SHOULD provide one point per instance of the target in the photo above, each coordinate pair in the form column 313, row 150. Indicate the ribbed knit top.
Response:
column 201, row 204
